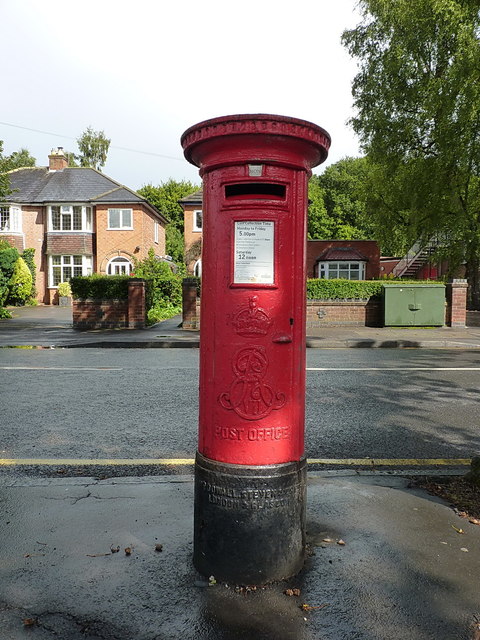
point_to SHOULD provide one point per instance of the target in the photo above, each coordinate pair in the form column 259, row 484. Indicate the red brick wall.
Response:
column 191, row 237
column 191, row 312
column 355, row 313
column 368, row 248
column 114, row 242
column 456, row 315
column 59, row 243
column 112, row 314
column 34, row 225
column 100, row 314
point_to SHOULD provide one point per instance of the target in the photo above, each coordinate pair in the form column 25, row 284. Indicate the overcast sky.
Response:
column 143, row 71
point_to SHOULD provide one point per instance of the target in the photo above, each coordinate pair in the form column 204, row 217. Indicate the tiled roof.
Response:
column 194, row 198
column 341, row 253
column 39, row 185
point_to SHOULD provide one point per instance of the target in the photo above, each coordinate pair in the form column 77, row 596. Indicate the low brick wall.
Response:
column 112, row 314
column 100, row 314
column 353, row 313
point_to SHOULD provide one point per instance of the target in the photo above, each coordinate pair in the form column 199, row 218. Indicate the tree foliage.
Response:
column 16, row 160
column 93, row 147
column 165, row 198
column 165, row 283
column 417, row 98
column 338, row 210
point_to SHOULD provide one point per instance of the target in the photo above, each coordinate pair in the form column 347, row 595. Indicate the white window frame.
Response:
column 14, row 223
column 155, row 232
column 197, row 215
column 68, row 210
column 329, row 269
column 122, row 226
column 67, row 262
column 119, row 260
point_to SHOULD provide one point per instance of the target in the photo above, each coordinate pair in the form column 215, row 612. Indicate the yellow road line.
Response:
column 392, row 462
column 130, row 462
column 104, row 462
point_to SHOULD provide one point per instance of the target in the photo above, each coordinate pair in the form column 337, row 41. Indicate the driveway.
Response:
column 39, row 317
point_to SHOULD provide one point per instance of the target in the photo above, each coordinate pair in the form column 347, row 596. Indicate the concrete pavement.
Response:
column 404, row 572
column 45, row 326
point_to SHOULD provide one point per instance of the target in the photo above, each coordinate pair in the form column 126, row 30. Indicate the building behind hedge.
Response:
column 79, row 221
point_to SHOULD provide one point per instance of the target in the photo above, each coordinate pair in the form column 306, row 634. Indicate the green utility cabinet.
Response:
column 414, row 305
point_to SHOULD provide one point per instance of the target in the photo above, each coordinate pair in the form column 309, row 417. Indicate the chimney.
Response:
column 57, row 160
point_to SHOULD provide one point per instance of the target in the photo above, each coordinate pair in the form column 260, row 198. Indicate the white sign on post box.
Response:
column 253, row 253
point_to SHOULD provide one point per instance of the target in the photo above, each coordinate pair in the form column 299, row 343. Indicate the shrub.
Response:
column 100, row 287
column 20, row 285
column 8, row 258
column 64, row 290
column 322, row 289
column 28, row 256
column 163, row 286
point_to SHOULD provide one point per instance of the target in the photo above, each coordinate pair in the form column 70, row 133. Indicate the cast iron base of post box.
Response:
column 249, row 521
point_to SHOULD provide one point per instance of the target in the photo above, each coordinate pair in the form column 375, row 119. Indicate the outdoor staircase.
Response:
column 415, row 259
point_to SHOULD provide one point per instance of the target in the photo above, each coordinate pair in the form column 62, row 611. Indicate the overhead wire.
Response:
column 59, row 135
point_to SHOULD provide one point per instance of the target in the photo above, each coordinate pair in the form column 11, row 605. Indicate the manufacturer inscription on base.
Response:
column 251, row 499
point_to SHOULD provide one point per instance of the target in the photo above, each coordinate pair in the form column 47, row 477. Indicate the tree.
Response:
column 93, row 147
column 16, row 160
column 338, row 202
column 165, row 198
column 417, row 97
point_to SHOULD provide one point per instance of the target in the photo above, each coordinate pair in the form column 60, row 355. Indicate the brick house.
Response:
column 192, row 217
column 352, row 259
column 79, row 221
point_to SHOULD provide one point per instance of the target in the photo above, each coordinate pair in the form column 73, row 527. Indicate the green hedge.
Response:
column 100, row 287
column 322, row 289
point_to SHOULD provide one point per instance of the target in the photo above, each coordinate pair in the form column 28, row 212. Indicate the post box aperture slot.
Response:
column 254, row 252
column 255, row 191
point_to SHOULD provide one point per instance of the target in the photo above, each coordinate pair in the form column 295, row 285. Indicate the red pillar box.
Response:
column 250, row 469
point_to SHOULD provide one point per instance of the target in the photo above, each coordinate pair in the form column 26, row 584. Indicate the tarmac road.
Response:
column 142, row 404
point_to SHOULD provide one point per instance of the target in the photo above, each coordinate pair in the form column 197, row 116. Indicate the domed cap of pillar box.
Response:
column 259, row 138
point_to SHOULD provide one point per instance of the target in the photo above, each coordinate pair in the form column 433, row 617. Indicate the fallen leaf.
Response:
column 212, row 581
column 327, row 540
column 307, row 607
column 29, row 622
column 341, row 542
column 128, row 551
column 458, row 530
column 159, row 547
column 292, row 592
column 464, row 549
column 474, row 521
column 97, row 555
column 115, row 549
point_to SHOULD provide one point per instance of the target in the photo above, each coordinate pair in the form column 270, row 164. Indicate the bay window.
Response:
column 62, row 268
column 10, row 219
